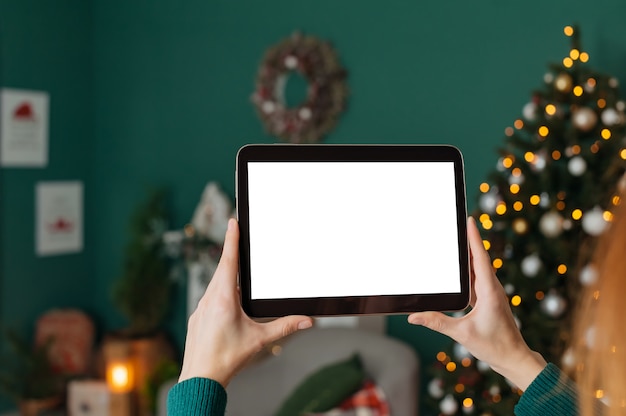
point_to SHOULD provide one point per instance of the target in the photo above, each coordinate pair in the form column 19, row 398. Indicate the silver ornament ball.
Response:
column 530, row 111
column 610, row 117
column 588, row 275
column 577, row 166
column 509, row 288
column 518, row 180
column 584, row 118
column 448, row 405
column 482, row 366
column 593, row 222
column 551, row 224
column 435, row 388
column 539, row 163
column 553, row 304
column 488, row 202
column 568, row 360
column 461, row 352
column 531, row 265
column 548, row 77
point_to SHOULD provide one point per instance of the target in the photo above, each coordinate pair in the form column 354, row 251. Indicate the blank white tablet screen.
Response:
column 334, row 229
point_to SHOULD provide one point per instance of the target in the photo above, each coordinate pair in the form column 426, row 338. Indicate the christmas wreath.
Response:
column 317, row 62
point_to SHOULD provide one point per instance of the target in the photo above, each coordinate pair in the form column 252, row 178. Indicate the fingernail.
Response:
column 416, row 320
column 305, row 325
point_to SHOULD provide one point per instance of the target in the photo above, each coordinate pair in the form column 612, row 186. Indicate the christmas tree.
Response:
column 540, row 211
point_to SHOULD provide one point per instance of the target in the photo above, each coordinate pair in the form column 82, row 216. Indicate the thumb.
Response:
column 435, row 321
column 281, row 327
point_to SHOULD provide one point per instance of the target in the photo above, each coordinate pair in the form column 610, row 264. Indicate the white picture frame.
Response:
column 24, row 128
column 59, row 217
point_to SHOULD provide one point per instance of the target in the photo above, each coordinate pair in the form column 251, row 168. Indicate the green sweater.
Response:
column 551, row 393
column 196, row 397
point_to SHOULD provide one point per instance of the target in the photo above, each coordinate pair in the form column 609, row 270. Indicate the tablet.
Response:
column 351, row 229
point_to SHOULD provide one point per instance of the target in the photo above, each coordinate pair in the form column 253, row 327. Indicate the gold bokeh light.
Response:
column 578, row 90
column 529, row 157
column 535, row 200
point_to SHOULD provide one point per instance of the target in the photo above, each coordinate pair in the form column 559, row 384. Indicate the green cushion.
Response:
column 325, row 388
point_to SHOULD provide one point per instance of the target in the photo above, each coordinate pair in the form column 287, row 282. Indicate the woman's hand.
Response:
column 221, row 338
column 488, row 331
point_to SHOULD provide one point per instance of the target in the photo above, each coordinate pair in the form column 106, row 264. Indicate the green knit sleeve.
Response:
column 551, row 393
column 196, row 397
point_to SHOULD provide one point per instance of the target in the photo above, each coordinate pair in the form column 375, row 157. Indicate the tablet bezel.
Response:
column 355, row 305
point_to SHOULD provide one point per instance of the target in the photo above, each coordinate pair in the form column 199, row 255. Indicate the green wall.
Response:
column 46, row 45
column 147, row 93
column 173, row 82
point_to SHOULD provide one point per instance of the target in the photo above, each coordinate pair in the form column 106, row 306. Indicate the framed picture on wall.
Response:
column 59, row 217
column 24, row 128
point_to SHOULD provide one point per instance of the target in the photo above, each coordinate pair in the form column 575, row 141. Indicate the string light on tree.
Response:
column 550, row 193
column 468, row 405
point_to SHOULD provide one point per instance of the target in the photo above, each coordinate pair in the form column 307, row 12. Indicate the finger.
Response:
column 435, row 321
column 481, row 263
column 229, row 261
column 472, row 282
column 284, row 326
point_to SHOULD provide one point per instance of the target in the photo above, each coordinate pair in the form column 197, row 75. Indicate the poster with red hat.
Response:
column 59, row 213
column 23, row 128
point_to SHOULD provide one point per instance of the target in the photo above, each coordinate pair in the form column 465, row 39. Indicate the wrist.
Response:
column 521, row 369
column 222, row 376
